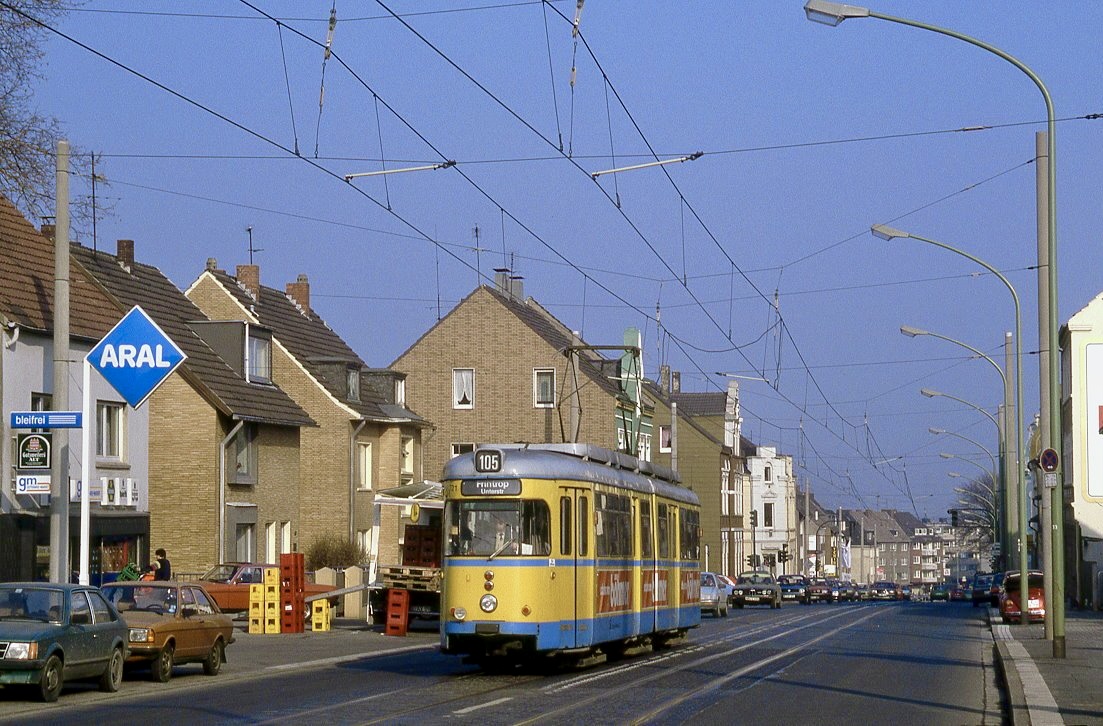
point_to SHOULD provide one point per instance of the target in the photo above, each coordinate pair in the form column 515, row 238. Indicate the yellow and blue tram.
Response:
column 565, row 549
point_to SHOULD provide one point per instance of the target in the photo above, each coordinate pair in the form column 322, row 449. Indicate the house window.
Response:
column 110, row 430
column 259, row 358
column 363, row 541
column 768, row 515
column 271, row 554
column 463, row 388
column 406, row 460
column 543, row 388
column 244, row 542
column 285, row 537
column 400, row 392
column 363, row 465
column 768, row 473
column 40, row 402
column 664, row 439
column 352, row 381
column 244, row 455
column 458, row 449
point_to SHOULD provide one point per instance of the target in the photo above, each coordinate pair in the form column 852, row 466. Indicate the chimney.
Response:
column 731, row 416
column 48, row 231
column 501, row 279
column 517, row 288
column 124, row 253
column 676, row 382
column 299, row 291
column 249, row 277
column 664, row 378
column 212, row 264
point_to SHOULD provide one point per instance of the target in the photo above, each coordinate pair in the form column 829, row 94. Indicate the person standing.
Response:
column 161, row 567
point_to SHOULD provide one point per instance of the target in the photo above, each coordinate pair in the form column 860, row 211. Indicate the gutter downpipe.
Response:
column 352, row 478
column 222, row 491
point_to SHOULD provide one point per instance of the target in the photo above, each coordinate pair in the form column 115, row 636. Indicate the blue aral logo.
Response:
column 136, row 357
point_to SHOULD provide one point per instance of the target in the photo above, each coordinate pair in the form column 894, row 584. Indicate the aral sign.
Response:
column 135, row 357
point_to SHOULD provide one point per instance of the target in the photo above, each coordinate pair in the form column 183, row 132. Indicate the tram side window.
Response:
column 646, row 548
column 613, row 528
column 690, row 534
column 583, row 527
column 565, row 525
column 664, row 532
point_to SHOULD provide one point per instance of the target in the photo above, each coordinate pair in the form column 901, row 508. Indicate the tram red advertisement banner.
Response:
column 656, row 588
column 614, row 591
column 691, row 587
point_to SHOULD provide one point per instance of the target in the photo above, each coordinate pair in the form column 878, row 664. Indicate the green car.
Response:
column 939, row 592
column 51, row 633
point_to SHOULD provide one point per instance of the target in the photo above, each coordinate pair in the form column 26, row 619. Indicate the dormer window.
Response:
column 400, row 392
column 352, row 380
column 258, row 355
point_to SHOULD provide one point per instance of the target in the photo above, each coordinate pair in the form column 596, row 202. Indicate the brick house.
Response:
column 365, row 441
column 498, row 368
column 118, row 534
column 222, row 435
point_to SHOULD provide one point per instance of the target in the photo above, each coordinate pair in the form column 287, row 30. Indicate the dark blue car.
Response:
column 53, row 633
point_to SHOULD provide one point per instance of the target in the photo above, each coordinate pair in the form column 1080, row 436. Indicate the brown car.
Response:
column 229, row 584
column 172, row 623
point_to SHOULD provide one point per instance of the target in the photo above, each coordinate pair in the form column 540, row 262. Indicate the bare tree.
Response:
column 28, row 138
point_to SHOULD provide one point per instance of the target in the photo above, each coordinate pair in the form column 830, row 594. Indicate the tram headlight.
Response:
column 459, row 613
column 487, row 603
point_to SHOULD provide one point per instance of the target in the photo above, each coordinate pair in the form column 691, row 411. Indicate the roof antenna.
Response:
column 252, row 249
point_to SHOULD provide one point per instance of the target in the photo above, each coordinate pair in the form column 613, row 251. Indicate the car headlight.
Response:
column 22, row 651
column 141, row 635
column 487, row 603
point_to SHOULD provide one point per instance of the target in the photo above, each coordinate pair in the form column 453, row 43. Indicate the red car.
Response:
column 1010, row 608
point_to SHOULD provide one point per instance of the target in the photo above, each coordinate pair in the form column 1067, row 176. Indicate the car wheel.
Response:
column 50, row 685
column 112, row 678
column 212, row 664
column 162, row 664
column 724, row 612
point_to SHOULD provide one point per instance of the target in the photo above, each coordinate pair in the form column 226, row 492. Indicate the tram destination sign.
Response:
column 490, row 487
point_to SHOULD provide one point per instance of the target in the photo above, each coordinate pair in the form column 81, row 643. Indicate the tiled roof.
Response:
column 171, row 310
column 701, row 404
column 314, row 345
column 27, row 282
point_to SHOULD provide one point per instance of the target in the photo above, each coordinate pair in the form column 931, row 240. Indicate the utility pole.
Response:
column 59, row 399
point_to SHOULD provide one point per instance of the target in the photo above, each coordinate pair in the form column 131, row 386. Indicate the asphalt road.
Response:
column 900, row 663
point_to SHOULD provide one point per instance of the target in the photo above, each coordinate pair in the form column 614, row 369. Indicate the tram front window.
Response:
column 492, row 528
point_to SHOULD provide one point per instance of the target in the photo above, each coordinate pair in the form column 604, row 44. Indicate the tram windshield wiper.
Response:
column 501, row 548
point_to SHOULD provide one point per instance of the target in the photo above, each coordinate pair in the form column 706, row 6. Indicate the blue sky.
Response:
column 757, row 255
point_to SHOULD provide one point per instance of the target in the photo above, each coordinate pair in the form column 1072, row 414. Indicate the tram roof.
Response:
column 582, row 462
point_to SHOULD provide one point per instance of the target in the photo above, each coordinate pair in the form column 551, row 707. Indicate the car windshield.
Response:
column 219, row 573
column 754, row 578
column 146, row 598
column 30, row 603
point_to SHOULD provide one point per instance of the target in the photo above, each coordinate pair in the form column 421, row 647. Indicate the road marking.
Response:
column 469, row 709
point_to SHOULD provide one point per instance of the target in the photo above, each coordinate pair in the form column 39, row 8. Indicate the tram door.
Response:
column 652, row 590
column 576, row 571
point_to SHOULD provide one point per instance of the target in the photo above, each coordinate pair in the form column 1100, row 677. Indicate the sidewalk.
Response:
column 1047, row 690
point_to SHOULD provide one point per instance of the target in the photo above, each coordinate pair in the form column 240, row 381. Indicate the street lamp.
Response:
column 831, row 13
column 888, row 233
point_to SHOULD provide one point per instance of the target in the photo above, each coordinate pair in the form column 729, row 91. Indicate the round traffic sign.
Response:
column 1049, row 461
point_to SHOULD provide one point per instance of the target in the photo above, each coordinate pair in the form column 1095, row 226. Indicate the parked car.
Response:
column 756, row 588
column 712, row 595
column 794, row 588
column 980, row 593
column 883, row 590
column 228, row 584
column 172, row 623
column 957, row 593
column 994, row 591
column 53, row 633
column 940, row 592
column 1010, row 609
column 818, row 590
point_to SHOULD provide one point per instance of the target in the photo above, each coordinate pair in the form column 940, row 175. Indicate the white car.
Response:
column 713, row 597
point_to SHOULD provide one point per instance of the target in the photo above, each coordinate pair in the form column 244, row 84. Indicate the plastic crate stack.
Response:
column 264, row 603
column 292, row 576
column 320, row 616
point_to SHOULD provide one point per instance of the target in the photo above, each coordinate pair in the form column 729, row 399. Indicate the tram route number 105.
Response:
column 488, row 461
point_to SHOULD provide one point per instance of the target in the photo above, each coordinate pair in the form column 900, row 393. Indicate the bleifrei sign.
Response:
column 135, row 357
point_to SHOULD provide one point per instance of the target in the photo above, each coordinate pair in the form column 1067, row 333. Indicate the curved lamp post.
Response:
column 888, row 233
column 831, row 13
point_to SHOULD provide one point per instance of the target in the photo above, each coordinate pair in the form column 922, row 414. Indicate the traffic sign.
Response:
column 135, row 357
column 1049, row 461
column 45, row 419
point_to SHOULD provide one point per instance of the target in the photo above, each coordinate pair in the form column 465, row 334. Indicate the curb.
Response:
column 1013, row 685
